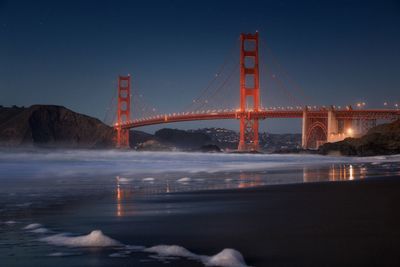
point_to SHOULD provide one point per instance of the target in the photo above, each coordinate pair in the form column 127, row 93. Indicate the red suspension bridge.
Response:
column 319, row 124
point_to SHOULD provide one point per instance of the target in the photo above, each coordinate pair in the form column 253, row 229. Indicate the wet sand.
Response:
column 353, row 223
column 346, row 223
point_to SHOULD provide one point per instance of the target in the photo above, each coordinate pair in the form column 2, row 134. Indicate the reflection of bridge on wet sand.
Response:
column 127, row 192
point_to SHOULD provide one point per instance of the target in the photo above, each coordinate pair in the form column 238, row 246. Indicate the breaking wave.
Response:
column 111, row 162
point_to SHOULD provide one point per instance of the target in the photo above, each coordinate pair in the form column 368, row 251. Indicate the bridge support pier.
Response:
column 123, row 111
column 249, row 88
column 249, row 140
column 332, row 125
column 314, row 130
column 304, row 129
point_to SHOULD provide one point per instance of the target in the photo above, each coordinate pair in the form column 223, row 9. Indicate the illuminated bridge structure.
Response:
column 319, row 124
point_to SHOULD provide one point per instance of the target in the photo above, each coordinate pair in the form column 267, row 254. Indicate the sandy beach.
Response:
column 353, row 223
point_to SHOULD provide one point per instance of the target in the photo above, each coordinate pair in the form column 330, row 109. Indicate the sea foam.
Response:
column 10, row 222
column 226, row 258
column 123, row 180
column 40, row 230
column 95, row 239
column 62, row 254
column 32, row 226
column 184, row 180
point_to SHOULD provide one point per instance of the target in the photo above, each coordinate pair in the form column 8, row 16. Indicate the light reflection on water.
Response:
column 31, row 193
column 335, row 172
column 174, row 183
column 129, row 188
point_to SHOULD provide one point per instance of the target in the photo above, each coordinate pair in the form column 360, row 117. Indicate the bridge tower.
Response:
column 249, row 90
column 123, row 110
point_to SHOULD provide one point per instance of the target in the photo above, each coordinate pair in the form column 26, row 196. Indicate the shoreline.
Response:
column 351, row 223
column 319, row 223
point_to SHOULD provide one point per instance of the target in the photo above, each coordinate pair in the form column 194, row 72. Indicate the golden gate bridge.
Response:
column 319, row 124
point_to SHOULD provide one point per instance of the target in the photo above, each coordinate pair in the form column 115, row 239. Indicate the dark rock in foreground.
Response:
column 383, row 139
column 52, row 126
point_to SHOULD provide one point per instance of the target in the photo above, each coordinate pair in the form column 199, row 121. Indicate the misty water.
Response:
column 103, row 208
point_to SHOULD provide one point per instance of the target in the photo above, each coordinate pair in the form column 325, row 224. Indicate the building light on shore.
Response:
column 350, row 131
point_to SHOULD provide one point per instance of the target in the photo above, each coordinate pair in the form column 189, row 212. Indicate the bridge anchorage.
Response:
column 319, row 124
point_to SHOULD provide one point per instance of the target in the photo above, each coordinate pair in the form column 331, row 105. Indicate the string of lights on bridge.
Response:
column 219, row 94
column 261, row 110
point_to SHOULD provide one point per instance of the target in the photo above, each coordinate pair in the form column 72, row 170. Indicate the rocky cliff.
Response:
column 383, row 139
column 52, row 126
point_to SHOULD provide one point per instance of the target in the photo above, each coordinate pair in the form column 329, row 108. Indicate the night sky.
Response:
column 70, row 52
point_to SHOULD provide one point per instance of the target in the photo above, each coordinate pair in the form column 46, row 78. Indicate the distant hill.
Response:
column 229, row 139
column 383, row 139
column 52, row 126
column 138, row 137
column 169, row 139
column 182, row 139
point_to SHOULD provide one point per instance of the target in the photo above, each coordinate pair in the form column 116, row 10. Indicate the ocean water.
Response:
column 104, row 208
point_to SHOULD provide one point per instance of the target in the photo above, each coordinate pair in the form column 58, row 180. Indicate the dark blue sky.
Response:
column 70, row 52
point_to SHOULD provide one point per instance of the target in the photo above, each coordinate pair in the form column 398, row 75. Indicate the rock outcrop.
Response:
column 383, row 139
column 52, row 126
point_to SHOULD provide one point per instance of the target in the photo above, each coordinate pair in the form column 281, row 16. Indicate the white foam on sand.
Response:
column 118, row 255
column 10, row 222
column 226, row 258
column 184, row 180
column 123, row 180
column 62, row 254
column 95, row 239
column 40, row 230
column 32, row 226
column 171, row 250
column 148, row 179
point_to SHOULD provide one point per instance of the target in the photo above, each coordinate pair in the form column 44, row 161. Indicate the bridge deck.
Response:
column 263, row 114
